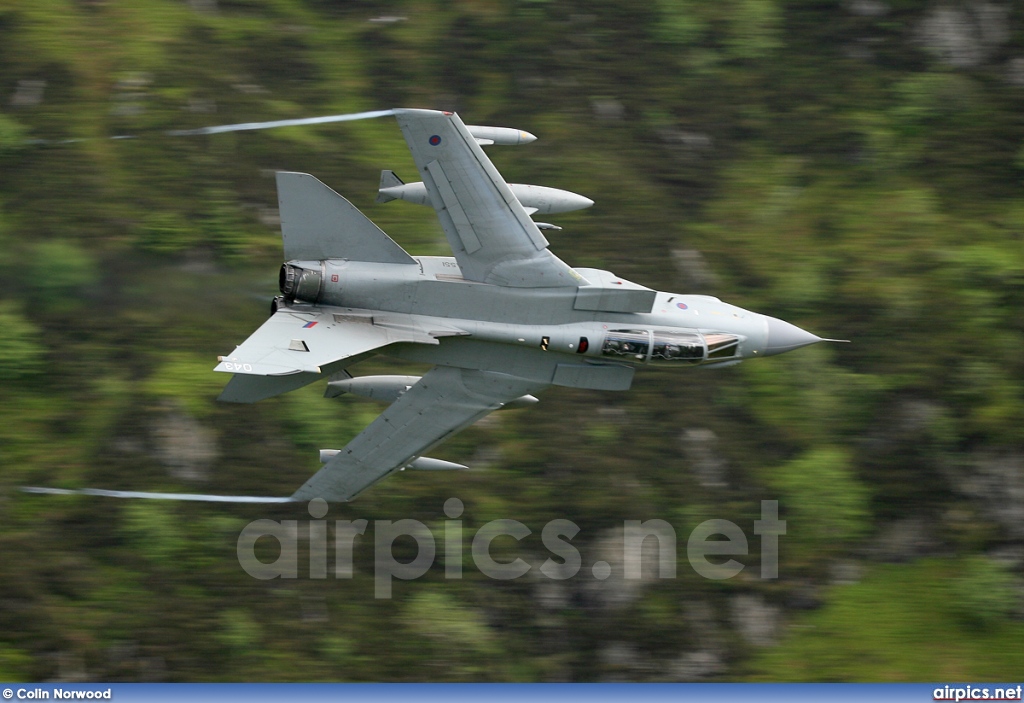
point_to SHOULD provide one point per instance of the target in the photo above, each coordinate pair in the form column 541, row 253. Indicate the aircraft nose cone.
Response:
column 784, row 337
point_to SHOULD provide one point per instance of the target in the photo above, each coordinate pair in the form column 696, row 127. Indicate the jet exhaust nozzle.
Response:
column 298, row 283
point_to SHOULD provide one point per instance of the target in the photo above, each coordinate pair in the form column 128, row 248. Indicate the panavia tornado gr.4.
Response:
column 499, row 321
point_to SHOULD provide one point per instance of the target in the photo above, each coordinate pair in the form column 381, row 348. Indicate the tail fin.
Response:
column 317, row 223
column 388, row 179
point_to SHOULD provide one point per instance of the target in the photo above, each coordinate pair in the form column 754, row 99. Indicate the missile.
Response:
column 502, row 136
column 388, row 389
column 535, row 199
column 547, row 201
column 423, row 463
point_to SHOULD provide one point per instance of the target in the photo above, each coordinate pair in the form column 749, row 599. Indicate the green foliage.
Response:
column 21, row 349
column 14, row 664
column 822, row 500
column 239, row 632
column 463, row 647
column 680, row 21
column 12, row 136
column 168, row 233
column 223, row 225
column 61, row 274
column 754, row 28
column 808, row 398
column 745, row 29
column 313, row 421
column 186, row 379
column 898, row 624
column 156, row 531
column 983, row 592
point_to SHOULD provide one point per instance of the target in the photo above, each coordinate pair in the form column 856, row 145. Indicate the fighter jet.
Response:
column 501, row 320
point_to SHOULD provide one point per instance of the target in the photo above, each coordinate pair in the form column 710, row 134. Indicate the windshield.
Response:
column 721, row 346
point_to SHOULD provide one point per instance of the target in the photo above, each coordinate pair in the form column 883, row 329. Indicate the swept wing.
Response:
column 493, row 238
column 444, row 401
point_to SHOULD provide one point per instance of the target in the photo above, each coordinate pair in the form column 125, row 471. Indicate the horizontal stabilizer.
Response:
column 296, row 342
column 246, row 388
column 317, row 223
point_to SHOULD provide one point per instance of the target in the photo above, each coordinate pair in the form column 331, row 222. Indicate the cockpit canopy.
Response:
column 645, row 346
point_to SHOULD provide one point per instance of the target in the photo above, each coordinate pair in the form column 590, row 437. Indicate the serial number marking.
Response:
column 231, row 366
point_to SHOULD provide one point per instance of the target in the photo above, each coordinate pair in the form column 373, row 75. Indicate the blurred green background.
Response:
column 853, row 167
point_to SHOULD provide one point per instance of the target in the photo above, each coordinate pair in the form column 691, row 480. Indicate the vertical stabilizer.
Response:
column 317, row 223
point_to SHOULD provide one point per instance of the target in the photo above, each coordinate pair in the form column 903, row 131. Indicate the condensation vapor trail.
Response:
column 240, row 127
column 201, row 497
column 247, row 126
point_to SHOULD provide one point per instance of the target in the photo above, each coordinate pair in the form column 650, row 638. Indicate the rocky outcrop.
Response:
column 964, row 35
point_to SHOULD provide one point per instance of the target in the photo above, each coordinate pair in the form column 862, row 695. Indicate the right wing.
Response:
column 491, row 235
column 443, row 402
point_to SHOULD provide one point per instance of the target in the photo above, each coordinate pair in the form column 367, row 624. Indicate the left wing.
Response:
column 493, row 238
column 445, row 401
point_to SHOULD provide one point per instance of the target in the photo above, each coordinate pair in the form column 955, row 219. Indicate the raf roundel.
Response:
column 681, row 306
column 435, row 140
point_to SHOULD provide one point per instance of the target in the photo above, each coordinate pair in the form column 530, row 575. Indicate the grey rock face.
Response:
column 965, row 35
column 700, row 447
column 756, row 621
column 184, row 446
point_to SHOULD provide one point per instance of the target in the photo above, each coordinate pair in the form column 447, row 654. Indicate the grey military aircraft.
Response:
column 501, row 320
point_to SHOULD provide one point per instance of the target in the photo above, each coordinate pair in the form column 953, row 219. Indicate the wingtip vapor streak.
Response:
column 499, row 321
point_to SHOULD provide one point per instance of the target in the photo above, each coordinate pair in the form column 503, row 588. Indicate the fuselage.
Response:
column 679, row 329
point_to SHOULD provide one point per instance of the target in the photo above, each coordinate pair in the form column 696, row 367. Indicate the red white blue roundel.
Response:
column 681, row 306
column 435, row 140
